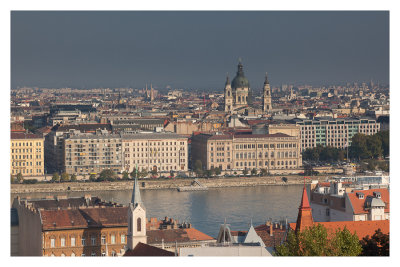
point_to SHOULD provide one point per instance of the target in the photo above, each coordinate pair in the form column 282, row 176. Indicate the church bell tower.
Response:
column 136, row 218
column 267, row 103
column 228, row 96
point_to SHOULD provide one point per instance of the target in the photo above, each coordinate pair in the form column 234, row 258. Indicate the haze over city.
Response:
column 197, row 49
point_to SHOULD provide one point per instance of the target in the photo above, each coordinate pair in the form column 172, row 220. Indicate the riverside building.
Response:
column 92, row 153
column 247, row 151
column 162, row 152
column 333, row 132
column 27, row 155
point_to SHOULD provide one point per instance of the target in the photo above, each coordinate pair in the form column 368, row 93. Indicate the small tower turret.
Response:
column 267, row 103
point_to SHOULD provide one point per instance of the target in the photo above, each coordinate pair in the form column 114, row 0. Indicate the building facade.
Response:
column 162, row 152
column 333, row 202
column 333, row 132
column 27, row 154
column 247, row 151
column 92, row 153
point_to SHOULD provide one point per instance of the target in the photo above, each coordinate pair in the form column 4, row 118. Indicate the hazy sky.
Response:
column 196, row 49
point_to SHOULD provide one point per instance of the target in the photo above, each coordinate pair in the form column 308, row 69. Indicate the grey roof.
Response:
column 95, row 136
column 152, row 136
column 377, row 202
column 136, row 199
column 253, row 237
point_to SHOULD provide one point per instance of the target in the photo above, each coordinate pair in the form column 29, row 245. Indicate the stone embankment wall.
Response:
column 159, row 184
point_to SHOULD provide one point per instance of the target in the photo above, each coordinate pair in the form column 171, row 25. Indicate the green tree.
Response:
column 264, row 172
column 125, row 175
column 198, row 167
column 377, row 245
column 13, row 179
column 245, row 171
column 92, row 177
column 358, row 148
column 172, row 174
column 208, row 173
column 253, row 171
column 133, row 173
column 106, row 175
column 316, row 241
column 374, row 145
column 154, row 172
column 143, row 173
column 217, row 171
column 55, row 178
column 64, row 177
column 73, row 178
column 384, row 137
column 20, row 178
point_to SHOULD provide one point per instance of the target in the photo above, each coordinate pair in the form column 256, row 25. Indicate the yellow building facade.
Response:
column 27, row 154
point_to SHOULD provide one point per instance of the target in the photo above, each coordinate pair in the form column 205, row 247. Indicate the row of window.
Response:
column 153, row 143
column 13, row 144
column 26, row 171
column 93, row 241
column 260, row 163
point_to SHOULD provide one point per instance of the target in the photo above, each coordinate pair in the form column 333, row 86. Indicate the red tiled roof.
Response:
column 178, row 235
column 142, row 249
column 358, row 204
column 278, row 235
column 361, row 228
column 25, row 136
column 84, row 218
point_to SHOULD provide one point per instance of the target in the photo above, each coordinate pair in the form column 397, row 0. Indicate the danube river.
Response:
column 206, row 210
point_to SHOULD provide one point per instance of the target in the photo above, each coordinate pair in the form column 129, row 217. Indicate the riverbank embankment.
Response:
column 159, row 184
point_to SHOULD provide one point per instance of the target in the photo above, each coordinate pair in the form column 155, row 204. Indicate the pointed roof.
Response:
column 304, row 218
column 136, row 199
column 266, row 78
column 227, row 80
column 252, row 236
column 304, row 200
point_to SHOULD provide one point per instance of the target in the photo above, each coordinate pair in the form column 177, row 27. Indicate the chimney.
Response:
column 271, row 230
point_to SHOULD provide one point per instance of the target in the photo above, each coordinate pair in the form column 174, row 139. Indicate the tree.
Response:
column 217, row 171
column 154, row 172
column 264, row 172
column 316, row 241
column 198, row 167
column 253, row 171
column 143, row 173
column 172, row 174
column 13, row 180
column 384, row 137
column 92, row 177
column 377, row 245
column 358, row 148
column 374, row 145
column 20, row 178
column 133, row 173
column 125, row 175
column 73, row 178
column 245, row 171
column 55, row 177
column 64, row 177
column 208, row 173
column 106, row 175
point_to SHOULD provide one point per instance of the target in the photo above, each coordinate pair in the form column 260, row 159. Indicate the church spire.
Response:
column 304, row 218
column 136, row 199
column 266, row 78
column 227, row 80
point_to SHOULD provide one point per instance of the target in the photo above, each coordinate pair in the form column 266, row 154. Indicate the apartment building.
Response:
column 247, row 151
column 337, row 201
column 333, row 132
column 162, row 152
column 92, row 153
column 27, row 154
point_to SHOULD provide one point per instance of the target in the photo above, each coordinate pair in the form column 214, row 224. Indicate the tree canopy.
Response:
column 377, row 245
column 317, row 241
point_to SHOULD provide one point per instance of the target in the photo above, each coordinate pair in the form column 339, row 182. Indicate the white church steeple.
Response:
column 136, row 218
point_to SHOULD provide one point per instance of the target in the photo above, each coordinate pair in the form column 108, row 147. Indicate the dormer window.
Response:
column 360, row 195
column 377, row 194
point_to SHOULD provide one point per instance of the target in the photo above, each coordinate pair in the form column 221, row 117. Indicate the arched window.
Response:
column 139, row 224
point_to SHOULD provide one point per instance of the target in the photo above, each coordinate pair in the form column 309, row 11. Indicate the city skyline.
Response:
column 196, row 50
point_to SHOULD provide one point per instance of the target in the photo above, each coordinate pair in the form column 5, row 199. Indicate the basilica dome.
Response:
column 240, row 81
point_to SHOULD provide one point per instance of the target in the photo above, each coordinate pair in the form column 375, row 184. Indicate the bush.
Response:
column 30, row 181
column 20, row 178
column 92, row 178
column 55, row 178
column 64, row 177
column 73, row 178
column 107, row 175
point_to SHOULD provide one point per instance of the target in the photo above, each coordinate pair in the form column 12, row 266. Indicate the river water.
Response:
column 206, row 210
